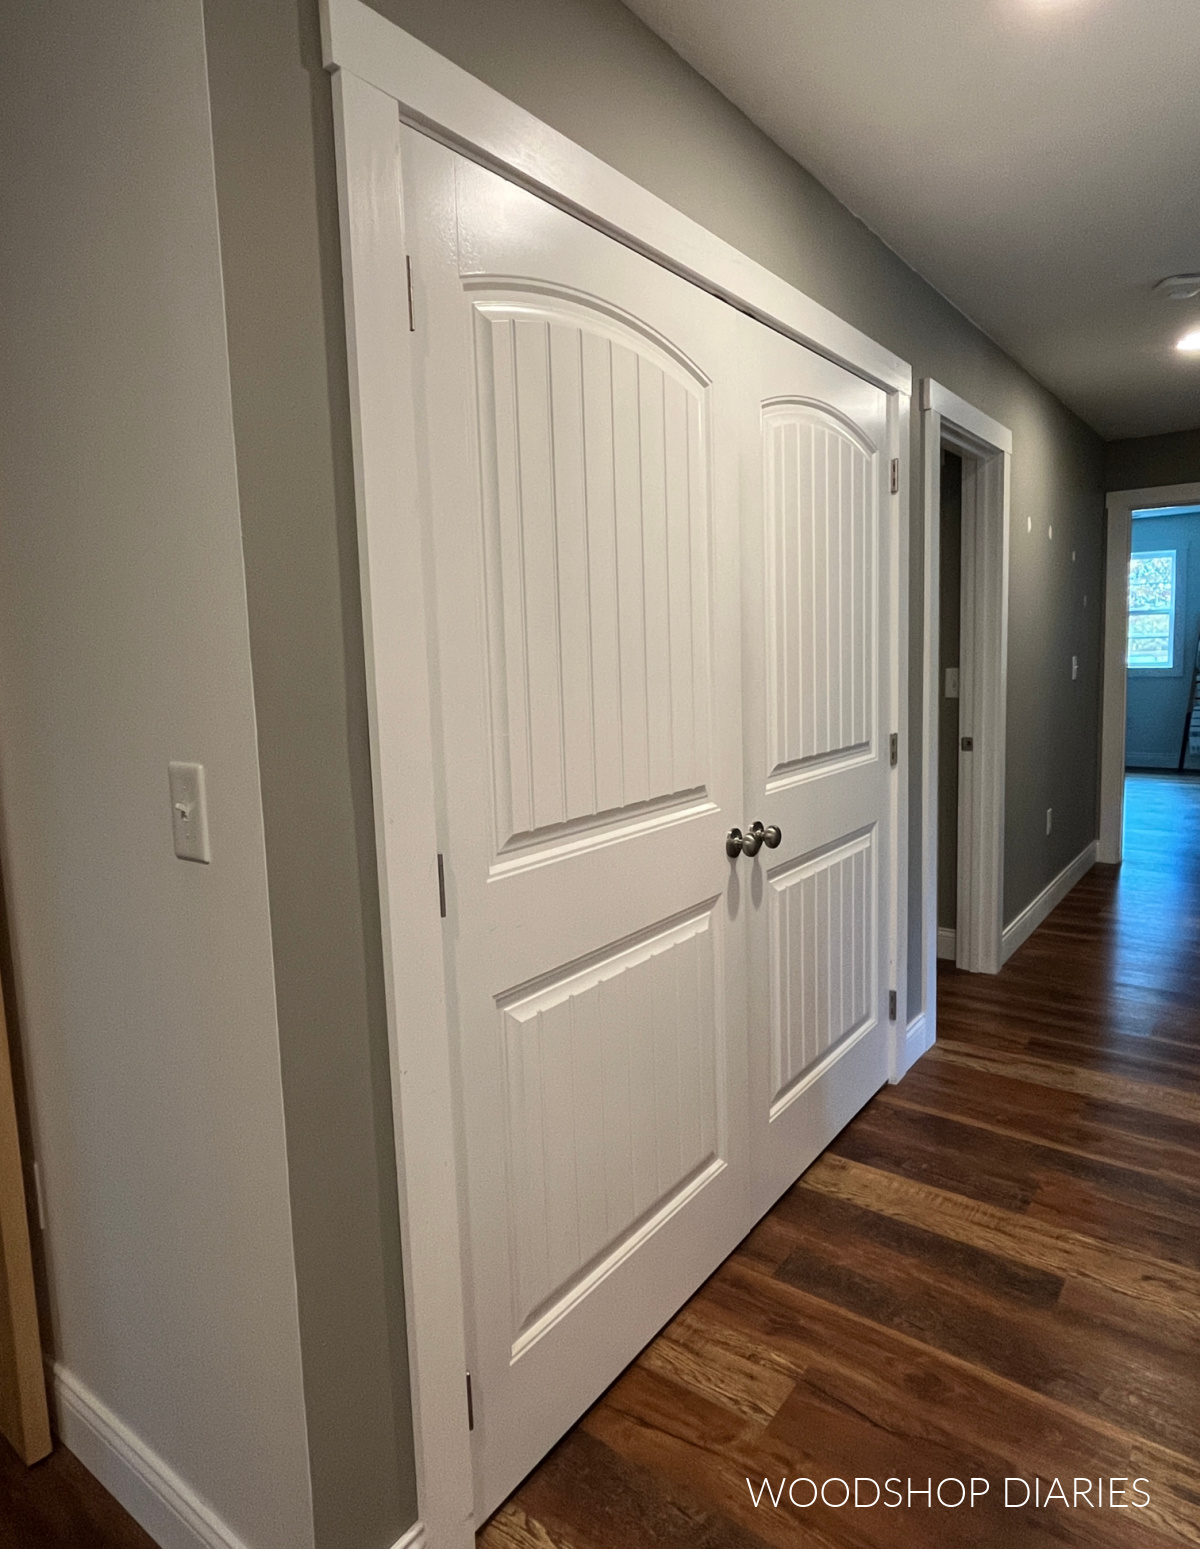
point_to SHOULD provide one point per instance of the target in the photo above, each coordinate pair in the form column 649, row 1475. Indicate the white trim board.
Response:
column 390, row 530
column 148, row 1488
column 918, row 1039
column 1020, row 930
column 1121, row 505
column 947, row 943
column 445, row 102
column 965, row 415
column 382, row 77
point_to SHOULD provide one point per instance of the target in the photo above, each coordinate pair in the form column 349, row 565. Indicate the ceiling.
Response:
column 1038, row 161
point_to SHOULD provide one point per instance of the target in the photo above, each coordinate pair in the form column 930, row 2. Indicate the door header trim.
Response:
column 462, row 112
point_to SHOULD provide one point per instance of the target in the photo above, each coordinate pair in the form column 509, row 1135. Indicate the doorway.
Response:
column 1149, row 664
column 663, row 769
column 949, row 642
column 601, row 407
column 966, row 464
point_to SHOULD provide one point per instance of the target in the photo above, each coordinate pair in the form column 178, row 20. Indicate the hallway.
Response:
column 993, row 1272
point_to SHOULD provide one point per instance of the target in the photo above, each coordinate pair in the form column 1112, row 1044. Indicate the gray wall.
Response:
column 1150, row 460
column 280, row 245
column 592, row 70
column 145, row 993
column 1156, row 706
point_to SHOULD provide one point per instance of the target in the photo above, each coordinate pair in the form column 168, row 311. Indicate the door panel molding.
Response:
column 382, row 76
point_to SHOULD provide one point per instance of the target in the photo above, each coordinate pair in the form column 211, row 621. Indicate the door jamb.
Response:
column 986, row 448
column 1121, row 505
column 381, row 77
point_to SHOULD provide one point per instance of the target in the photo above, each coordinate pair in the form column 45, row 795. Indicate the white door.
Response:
column 581, row 463
column 819, row 655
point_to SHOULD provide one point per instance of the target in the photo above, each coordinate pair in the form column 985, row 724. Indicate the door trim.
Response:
column 443, row 101
column 986, row 448
column 1121, row 503
column 381, row 77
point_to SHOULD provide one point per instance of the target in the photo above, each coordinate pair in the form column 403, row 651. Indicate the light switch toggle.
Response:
column 189, row 812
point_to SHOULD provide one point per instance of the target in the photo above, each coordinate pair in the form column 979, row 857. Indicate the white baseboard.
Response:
column 1049, row 898
column 917, row 1038
column 947, row 940
column 413, row 1539
column 148, row 1488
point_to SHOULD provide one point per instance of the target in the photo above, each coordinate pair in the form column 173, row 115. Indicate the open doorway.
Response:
column 1162, row 731
column 966, row 465
column 1151, row 645
column 949, row 650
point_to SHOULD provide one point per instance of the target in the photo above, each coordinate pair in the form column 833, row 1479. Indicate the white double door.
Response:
column 657, row 542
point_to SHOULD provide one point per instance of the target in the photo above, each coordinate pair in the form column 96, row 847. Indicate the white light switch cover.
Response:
column 189, row 812
column 951, row 682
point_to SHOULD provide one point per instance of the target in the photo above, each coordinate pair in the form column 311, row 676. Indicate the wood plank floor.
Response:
column 57, row 1504
column 994, row 1272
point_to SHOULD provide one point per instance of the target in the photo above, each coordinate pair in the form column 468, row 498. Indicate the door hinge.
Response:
column 470, row 1405
column 891, row 1005
column 412, row 315
column 895, row 475
column 442, row 886
column 894, row 749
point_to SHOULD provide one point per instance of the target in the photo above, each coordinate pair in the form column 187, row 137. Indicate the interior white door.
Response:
column 581, row 463
column 819, row 658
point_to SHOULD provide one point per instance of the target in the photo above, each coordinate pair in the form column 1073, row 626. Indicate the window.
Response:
column 1152, row 599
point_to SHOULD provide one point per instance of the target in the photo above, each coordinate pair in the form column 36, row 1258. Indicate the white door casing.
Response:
column 379, row 70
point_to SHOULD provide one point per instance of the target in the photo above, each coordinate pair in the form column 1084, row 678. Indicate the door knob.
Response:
column 737, row 843
column 759, row 836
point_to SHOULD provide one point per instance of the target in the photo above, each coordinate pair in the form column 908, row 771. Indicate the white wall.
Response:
column 144, row 983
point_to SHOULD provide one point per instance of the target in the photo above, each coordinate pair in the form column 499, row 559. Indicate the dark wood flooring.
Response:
column 57, row 1504
column 993, row 1272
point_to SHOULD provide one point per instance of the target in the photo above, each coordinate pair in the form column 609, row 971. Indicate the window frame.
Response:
column 1178, row 555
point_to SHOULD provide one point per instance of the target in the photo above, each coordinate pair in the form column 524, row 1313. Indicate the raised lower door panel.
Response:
column 822, row 970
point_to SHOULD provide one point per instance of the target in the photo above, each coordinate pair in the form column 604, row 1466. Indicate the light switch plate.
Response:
column 951, row 682
column 1074, row 668
column 189, row 812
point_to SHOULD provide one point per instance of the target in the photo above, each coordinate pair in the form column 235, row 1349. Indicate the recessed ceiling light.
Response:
column 1190, row 342
column 1180, row 287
